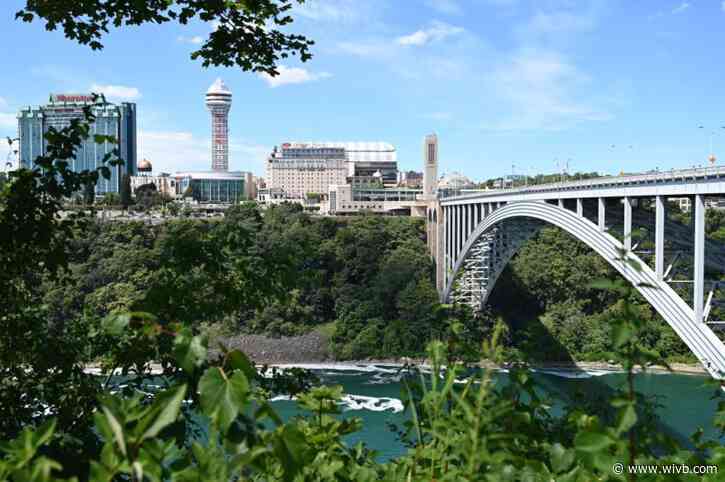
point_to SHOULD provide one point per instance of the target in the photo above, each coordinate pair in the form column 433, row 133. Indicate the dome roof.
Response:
column 219, row 87
column 144, row 165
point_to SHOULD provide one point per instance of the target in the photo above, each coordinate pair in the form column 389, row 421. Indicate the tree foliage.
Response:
column 247, row 33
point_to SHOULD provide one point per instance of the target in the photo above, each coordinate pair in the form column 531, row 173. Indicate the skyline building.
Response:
column 301, row 168
column 111, row 120
column 298, row 169
column 214, row 187
column 219, row 102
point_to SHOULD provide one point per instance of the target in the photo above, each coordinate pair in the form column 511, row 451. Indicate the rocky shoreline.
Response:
column 308, row 348
column 313, row 348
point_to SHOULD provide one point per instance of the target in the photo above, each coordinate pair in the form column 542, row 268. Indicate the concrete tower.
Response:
column 219, row 101
column 430, row 166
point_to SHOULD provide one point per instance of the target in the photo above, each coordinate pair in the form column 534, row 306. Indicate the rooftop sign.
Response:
column 71, row 98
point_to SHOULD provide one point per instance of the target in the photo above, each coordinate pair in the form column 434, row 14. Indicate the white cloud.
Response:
column 120, row 92
column 436, row 32
column 174, row 151
column 195, row 40
column 449, row 7
column 292, row 75
column 681, row 7
column 3, row 102
column 540, row 88
column 722, row 5
column 330, row 10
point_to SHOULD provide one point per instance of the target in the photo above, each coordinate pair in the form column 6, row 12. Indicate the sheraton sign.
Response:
column 71, row 99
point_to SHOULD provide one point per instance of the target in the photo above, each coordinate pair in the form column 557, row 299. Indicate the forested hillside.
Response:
column 368, row 280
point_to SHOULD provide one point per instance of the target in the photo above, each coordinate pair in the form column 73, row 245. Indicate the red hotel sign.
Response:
column 72, row 98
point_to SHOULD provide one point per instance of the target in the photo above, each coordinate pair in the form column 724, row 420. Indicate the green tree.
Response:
column 246, row 34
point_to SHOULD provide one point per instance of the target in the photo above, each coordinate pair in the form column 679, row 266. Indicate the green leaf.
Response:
column 561, row 458
column 622, row 333
column 290, row 447
column 115, row 323
column 189, row 351
column 222, row 396
column 165, row 410
column 239, row 361
column 627, row 418
column 117, row 430
column 592, row 442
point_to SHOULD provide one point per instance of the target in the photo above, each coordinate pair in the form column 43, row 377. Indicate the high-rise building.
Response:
column 430, row 159
column 219, row 102
column 114, row 120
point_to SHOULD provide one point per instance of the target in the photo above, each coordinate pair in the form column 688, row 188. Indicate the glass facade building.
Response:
column 114, row 120
column 212, row 187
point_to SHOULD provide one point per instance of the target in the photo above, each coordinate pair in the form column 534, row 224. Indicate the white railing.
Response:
column 644, row 178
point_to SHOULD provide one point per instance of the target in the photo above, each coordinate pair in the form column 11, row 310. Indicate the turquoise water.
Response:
column 375, row 390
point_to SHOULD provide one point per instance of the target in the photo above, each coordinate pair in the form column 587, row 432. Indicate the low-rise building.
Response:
column 411, row 179
column 163, row 183
column 347, row 199
column 216, row 187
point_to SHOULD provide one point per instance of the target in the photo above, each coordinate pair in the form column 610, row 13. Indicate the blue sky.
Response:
column 608, row 84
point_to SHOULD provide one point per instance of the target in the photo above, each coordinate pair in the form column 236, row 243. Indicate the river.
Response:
column 374, row 392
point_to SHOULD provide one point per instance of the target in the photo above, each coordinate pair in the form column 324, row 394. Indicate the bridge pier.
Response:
column 660, row 214
column 627, row 231
column 602, row 212
column 699, row 257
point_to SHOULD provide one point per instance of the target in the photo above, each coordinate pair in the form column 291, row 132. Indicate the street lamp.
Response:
column 711, row 157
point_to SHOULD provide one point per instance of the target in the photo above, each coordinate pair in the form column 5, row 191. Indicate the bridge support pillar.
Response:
column 457, row 229
column 699, row 262
column 579, row 207
column 660, row 236
column 602, row 208
column 627, row 233
column 454, row 234
column 561, row 203
column 472, row 213
column 440, row 248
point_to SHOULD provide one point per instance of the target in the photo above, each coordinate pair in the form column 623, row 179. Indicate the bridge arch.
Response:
column 698, row 336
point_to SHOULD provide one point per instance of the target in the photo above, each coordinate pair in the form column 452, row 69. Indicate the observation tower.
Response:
column 219, row 101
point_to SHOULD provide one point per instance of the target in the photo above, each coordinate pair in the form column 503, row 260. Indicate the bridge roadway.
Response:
column 473, row 236
column 674, row 183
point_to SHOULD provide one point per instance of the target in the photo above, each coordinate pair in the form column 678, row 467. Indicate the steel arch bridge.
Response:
column 472, row 237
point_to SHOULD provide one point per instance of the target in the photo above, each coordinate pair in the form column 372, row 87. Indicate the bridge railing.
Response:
column 644, row 178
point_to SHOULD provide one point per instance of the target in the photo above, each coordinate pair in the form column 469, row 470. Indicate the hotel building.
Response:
column 114, row 120
column 299, row 169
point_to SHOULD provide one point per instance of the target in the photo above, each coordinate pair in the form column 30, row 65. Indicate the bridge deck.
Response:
column 685, row 182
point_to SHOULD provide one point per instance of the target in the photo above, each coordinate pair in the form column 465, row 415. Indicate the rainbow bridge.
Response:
column 473, row 236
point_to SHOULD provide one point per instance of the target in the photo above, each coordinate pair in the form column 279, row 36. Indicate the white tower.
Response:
column 430, row 166
column 219, row 101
